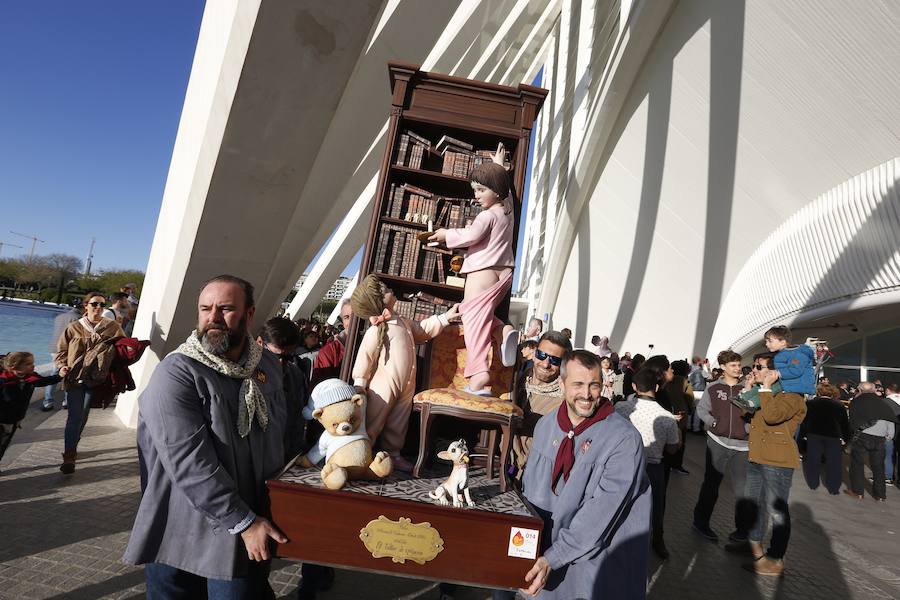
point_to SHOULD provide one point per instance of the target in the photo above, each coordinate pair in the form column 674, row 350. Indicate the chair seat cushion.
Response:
column 464, row 400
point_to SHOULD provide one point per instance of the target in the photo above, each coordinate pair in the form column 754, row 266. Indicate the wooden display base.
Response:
column 489, row 545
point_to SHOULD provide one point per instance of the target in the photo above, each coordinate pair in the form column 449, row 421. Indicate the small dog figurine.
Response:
column 457, row 484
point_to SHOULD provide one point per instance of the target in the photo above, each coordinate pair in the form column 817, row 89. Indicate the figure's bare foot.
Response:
column 478, row 382
column 334, row 476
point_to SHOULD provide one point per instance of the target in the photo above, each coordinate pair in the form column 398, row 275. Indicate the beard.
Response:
column 218, row 339
column 583, row 411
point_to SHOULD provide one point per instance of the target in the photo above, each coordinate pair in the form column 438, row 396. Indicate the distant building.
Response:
column 337, row 289
column 334, row 293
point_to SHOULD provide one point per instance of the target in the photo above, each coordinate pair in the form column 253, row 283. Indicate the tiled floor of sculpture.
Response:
column 485, row 492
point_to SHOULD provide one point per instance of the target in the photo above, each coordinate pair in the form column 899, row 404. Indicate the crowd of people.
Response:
column 600, row 436
column 87, row 362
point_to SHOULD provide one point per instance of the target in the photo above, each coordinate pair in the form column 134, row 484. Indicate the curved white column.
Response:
column 842, row 247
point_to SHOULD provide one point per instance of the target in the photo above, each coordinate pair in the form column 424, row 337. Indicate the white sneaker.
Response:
column 509, row 347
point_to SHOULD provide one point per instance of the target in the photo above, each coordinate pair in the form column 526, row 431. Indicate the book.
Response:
column 381, row 252
column 447, row 140
column 418, row 138
column 449, row 161
column 418, row 190
column 396, row 246
column 400, row 160
column 441, row 273
column 429, row 298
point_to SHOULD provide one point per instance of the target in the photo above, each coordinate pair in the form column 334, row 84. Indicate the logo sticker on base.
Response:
column 523, row 543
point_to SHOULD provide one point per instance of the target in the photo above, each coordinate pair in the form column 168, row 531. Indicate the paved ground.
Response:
column 62, row 537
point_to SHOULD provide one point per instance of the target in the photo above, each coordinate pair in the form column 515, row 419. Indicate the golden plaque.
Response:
column 402, row 540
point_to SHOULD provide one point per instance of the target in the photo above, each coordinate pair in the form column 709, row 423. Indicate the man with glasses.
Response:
column 726, row 449
column 538, row 391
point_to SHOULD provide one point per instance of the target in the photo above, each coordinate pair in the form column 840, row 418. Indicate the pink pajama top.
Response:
column 489, row 240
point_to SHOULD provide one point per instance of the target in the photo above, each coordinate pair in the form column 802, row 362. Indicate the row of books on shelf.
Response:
column 418, row 309
column 460, row 164
column 458, row 157
column 399, row 252
column 411, row 150
column 410, row 203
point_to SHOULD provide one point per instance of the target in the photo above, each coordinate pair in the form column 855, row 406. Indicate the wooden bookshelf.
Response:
column 425, row 107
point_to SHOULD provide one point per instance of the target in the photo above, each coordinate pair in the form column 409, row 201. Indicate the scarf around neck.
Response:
column 565, row 456
column 91, row 328
column 552, row 388
column 252, row 402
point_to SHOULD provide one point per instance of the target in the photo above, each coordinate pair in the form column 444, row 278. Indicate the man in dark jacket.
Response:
column 872, row 421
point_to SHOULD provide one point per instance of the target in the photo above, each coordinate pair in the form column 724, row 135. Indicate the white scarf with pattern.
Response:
column 253, row 402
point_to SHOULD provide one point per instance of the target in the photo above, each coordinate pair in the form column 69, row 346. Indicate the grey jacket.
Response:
column 202, row 477
column 597, row 525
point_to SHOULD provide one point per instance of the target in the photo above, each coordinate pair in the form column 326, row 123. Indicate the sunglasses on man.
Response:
column 540, row 355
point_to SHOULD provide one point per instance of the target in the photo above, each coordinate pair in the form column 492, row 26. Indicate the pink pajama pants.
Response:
column 479, row 322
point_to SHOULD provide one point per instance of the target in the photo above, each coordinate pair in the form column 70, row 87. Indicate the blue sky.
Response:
column 91, row 97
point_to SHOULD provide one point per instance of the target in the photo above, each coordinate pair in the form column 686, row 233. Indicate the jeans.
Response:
column 168, row 583
column 676, row 460
column 889, row 460
column 658, row 476
column 720, row 459
column 768, row 488
column 872, row 445
column 48, row 390
column 79, row 400
column 819, row 447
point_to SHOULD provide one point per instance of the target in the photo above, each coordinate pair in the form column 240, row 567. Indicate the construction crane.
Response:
column 8, row 244
column 34, row 240
column 90, row 258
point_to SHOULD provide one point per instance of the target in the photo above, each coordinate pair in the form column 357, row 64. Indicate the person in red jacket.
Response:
column 17, row 383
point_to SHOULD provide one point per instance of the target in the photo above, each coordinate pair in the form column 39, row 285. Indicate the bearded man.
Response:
column 211, row 431
column 539, row 392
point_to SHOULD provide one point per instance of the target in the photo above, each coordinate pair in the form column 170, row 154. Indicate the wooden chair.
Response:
column 446, row 397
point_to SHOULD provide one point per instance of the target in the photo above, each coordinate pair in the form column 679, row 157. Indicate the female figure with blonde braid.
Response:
column 488, row 267
column 385, row 367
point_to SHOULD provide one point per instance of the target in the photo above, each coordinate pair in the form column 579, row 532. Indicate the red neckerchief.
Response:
column 565, row 456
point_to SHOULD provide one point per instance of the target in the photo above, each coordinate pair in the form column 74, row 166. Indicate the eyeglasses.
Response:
column 758, row 367
column 95, row 304
column 540, row 355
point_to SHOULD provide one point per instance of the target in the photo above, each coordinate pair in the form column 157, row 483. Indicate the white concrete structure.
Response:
column 679, row 142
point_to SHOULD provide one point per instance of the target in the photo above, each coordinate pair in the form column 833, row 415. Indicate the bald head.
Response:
column 866, row 387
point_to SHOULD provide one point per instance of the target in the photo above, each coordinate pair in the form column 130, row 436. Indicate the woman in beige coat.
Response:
column 86, row 348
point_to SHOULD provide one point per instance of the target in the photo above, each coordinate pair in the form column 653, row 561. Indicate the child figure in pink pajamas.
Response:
column 488, row 267
column 385, row 367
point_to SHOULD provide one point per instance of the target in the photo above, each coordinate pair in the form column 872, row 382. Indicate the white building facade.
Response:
column 702, row 169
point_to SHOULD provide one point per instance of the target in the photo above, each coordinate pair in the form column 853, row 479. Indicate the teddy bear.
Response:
column 344, row 444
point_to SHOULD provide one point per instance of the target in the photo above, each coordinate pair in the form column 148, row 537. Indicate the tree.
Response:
column 60, row 269
column 111, row 280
